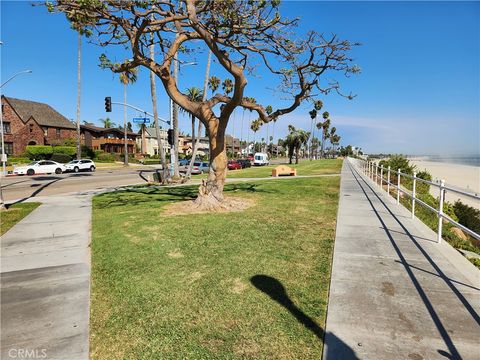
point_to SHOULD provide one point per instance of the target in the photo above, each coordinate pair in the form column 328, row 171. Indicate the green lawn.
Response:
column 251, row 284
column 305, row 167
column 14, row 214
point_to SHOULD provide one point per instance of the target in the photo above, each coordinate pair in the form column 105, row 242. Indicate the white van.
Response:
column 260, row 159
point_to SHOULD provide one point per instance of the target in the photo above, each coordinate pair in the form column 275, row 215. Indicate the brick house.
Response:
column 32, row 123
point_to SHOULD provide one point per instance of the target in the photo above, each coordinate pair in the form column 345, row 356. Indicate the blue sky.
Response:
column 418, row 92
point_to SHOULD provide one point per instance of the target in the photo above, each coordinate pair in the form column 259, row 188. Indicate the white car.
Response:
column 40, row 167
column 82, row 164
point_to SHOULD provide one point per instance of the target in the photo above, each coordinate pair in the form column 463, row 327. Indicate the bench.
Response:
column 284, row 170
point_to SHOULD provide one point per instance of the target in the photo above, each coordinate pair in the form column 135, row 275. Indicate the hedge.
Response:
column 39, row 151
column 65, row 150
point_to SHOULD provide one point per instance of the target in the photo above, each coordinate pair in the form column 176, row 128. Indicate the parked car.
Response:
column 40, row 167
column 184, row 162
column 200, row 168
column 80, row 165
column 245, row 163
column 234, row 165
column 250, row 158
column 260, row 159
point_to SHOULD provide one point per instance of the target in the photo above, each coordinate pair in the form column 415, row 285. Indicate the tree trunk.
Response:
column 297, row 154
column 210, row 192
column 175, row 122
column 79, row 59
column 194, row 152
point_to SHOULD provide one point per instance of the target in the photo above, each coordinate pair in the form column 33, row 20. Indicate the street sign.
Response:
column 141, row 120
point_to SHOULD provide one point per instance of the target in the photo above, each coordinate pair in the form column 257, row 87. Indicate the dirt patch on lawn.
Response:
column 230, row 204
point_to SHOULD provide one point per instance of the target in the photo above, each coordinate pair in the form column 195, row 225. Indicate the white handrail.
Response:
column 370, row 169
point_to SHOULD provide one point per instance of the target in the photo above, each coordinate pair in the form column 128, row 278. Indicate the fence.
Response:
column 376, row 173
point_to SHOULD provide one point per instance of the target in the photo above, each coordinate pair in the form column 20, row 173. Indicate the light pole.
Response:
column 4, row 160
column 174, row 119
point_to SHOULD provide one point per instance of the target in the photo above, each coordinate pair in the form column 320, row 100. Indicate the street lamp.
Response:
column 4, row 158
column 174, row 114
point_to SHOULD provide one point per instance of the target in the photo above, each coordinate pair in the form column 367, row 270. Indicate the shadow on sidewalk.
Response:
column 337, row 349
column 454, row 354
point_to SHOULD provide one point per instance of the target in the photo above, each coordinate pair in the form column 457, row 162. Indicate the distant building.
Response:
column 33, row 123
column 186, row 145
column 149, row 144
column 110, row 140
column 232, row 145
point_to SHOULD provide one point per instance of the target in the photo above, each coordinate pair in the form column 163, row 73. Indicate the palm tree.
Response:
column 313, row 116
column 127, row 77
column 331, row 137
column 227, row 86
column 107, row 123
column 194, row 94
column 214, row 83
column 255, row 126
column 324, row 126
column 294, row 141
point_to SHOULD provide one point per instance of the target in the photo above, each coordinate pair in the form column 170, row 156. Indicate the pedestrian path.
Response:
column 45, row 281
column 395, row 293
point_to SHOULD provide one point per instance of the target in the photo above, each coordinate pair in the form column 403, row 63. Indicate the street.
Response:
column 22, row 187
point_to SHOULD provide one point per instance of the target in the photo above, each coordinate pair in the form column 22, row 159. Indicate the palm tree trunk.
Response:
column 79, row 60
column 153, row 91
column 125, row 124
column 197, row 142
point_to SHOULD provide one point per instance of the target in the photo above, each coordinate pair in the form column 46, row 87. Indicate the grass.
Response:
column 213, row 286
column 15, row 213
column 305, row 167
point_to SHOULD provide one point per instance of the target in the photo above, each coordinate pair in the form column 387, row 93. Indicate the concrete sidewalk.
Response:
column 395, row 293
column 45, row 281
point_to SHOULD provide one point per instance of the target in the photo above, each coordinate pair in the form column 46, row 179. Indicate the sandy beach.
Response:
column 463, row 177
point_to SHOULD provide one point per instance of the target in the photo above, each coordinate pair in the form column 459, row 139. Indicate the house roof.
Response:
column 43, row 114
column 151, row 132
column 105, row 130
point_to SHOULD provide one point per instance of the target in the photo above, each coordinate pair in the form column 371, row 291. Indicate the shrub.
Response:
column 61, row 158
column 105, row 157
column 421, row 187
column 65, row 150
column 69, row 142
column 467, row 216
column 39, row 152
column 17, row 160
column 88, row 153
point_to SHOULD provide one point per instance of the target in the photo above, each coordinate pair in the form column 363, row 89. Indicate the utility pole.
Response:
column 125, row 161
column 79, row 60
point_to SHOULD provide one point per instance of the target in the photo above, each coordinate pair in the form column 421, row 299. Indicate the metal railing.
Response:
column 372, row 170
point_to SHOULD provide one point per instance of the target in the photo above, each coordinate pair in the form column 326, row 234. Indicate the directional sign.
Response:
column 141, row 120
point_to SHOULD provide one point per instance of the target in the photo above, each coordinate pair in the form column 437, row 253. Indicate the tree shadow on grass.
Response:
column 335, row 348
column 142, row 195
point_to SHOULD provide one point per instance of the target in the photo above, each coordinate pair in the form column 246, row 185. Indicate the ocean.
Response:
column 471, row 160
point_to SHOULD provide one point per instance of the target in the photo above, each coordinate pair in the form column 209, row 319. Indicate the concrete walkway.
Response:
column 45, row 281
column 395, row 293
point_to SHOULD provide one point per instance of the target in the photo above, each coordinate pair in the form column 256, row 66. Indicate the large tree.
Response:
column 244, row 36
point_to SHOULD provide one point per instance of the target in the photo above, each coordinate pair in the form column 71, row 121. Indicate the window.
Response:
column 45, row 131
column 31, row 128
column 6, row 128
column 57, row 132
column 8, row 148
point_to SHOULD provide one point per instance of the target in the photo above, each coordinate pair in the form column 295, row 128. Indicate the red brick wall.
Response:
column 20, row 133
column 65, row 134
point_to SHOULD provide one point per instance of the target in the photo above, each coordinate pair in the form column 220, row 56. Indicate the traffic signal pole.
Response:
column 136, row 108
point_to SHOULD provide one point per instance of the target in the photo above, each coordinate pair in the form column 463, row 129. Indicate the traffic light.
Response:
column 108, row 104
column 170, row 137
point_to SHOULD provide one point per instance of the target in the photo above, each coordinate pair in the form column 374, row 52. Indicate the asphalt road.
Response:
column 21, row 187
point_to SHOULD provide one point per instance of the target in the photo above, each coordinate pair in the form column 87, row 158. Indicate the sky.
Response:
column 418, row 92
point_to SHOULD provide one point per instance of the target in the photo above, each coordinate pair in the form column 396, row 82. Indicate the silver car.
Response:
column 200, row 168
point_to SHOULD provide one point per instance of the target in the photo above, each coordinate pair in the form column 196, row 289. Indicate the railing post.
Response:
column 440, row 211
column 398, row 186
column 413, row 193
column 376, row 173
column 381, row 177
column 388, row 181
